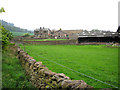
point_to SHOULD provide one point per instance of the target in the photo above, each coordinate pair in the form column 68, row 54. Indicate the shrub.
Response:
column 5, row 36
column 26, row 34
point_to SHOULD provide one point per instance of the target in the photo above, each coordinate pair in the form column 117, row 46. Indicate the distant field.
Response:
column 19, row 33
column 97, row 61
column 45, row 39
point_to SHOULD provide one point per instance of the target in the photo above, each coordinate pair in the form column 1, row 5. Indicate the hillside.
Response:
column 17, row 31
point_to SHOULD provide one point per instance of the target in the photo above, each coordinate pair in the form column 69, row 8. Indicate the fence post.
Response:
column 23, row 44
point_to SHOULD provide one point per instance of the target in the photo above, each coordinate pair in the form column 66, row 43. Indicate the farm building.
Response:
column 73, row 34
column 42, row 32
column 60, row 35
column 81, row 35
column 99, row 37
column 67, row 34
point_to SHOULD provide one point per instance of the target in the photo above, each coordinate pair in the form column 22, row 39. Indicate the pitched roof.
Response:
column 72, row 31
column 60, row 31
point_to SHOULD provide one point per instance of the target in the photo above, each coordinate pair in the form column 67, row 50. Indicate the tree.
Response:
column 6, row 35
column 26, row 34
column 2, row 10
column 60, row 29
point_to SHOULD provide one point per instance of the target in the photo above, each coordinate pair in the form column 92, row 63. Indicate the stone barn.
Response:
column 73, row 34
column 67, row 34
column 60, row 35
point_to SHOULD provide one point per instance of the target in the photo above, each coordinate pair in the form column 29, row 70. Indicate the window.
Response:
column 44, row 31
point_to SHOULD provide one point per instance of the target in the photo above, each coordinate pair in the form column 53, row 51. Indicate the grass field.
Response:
column 20, row 33
column 13, row 75
column 45, row 39
column 97, row 61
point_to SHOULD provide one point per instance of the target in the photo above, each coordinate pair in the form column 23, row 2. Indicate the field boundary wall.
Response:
column 66, row 42
column 41, row 77
column 59, row 42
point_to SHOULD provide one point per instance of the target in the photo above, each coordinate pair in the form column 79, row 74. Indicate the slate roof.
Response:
column 71, row 32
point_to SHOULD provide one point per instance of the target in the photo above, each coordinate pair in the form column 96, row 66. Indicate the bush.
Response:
column 26, row 34
column 5, row 36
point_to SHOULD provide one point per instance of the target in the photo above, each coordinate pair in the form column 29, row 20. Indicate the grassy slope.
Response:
column 13, row 75
column 96, row 61
column 20, row 33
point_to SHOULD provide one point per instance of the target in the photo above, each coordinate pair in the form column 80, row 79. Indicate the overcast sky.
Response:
column 65, row 14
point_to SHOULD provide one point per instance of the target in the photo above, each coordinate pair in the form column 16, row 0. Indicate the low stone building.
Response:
column 73, row 34
column 60, row 35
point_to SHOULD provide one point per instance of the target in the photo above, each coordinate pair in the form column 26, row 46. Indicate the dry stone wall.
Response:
column 41, row 77
column 60, row 42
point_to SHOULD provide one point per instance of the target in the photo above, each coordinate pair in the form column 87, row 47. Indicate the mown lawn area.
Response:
column 97, row 61
column 13, row 75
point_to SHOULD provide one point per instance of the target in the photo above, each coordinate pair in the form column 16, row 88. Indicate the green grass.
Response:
column 19, row 33
column 45, row 39
column 13, row 75
column 97, row 61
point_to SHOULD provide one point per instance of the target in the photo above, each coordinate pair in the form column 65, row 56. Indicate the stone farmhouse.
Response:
column 42, row 33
